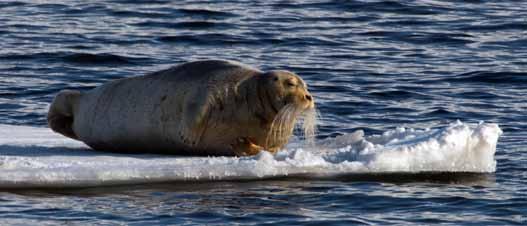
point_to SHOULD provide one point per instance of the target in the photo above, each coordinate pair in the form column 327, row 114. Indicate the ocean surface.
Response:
column 423, row 109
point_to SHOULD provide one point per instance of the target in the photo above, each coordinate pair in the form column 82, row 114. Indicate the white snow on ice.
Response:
column 34, row 156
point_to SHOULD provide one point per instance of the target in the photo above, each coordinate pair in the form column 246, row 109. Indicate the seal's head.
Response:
column 288, row 98
column 287, row 88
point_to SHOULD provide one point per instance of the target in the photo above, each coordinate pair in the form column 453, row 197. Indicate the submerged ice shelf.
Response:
column 33, row 156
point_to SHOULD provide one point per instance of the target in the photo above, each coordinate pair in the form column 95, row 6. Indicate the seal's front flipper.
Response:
column 61, row 112
column 245, row 147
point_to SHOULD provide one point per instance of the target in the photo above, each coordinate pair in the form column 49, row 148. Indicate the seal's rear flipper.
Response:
column 60, row 114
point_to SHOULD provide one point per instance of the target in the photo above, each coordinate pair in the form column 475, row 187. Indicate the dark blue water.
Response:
column 371, row 65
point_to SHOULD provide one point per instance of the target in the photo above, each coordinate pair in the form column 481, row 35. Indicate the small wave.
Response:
column 405, row 22
column 423, row 38
column 11, row 4
column 367, row 6
column 522, row 26
column 36, row 157
column 216, row 38
column 205, row 39
column 340, row 19
column 8, row 94
column 168, row 12
column 184, row 24
column 140, row 2
column 516, row 78
column 207, row 12
column 8, row 106
column 479, row 95
column 31, row 27
column 28, row 56
column 80, row 47
column 102, row 58
column 51, row 6
column 397, row 95
column 139, row 14
column 397, row 7
column 312, row 41
column 438, row 38
column 441, row 112
column 516, row 44
column 78, row 58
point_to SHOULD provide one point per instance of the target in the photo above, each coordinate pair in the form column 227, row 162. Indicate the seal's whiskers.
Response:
column 282, row 126
column 309, row 123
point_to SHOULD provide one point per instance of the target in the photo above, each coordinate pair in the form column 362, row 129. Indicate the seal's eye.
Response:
column 290, row 83
column 275, row 79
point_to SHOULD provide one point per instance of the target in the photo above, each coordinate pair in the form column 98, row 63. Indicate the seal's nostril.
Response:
column 308, row 97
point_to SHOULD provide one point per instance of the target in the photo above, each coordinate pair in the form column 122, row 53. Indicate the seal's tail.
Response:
column 60, row 114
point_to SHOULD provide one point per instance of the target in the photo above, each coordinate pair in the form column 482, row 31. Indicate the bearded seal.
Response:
column 210, row 107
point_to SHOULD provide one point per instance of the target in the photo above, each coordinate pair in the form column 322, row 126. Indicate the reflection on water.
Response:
column 296, row 200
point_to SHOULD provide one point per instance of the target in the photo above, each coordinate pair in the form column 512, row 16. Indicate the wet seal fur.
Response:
column 211, row 107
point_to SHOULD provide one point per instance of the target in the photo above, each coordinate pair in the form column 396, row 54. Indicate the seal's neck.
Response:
column 256, row 97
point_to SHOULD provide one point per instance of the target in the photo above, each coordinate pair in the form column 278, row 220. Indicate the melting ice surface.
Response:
column 32, row 156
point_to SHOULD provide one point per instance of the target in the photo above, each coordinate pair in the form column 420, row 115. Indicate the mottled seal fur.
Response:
column 211, row 107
